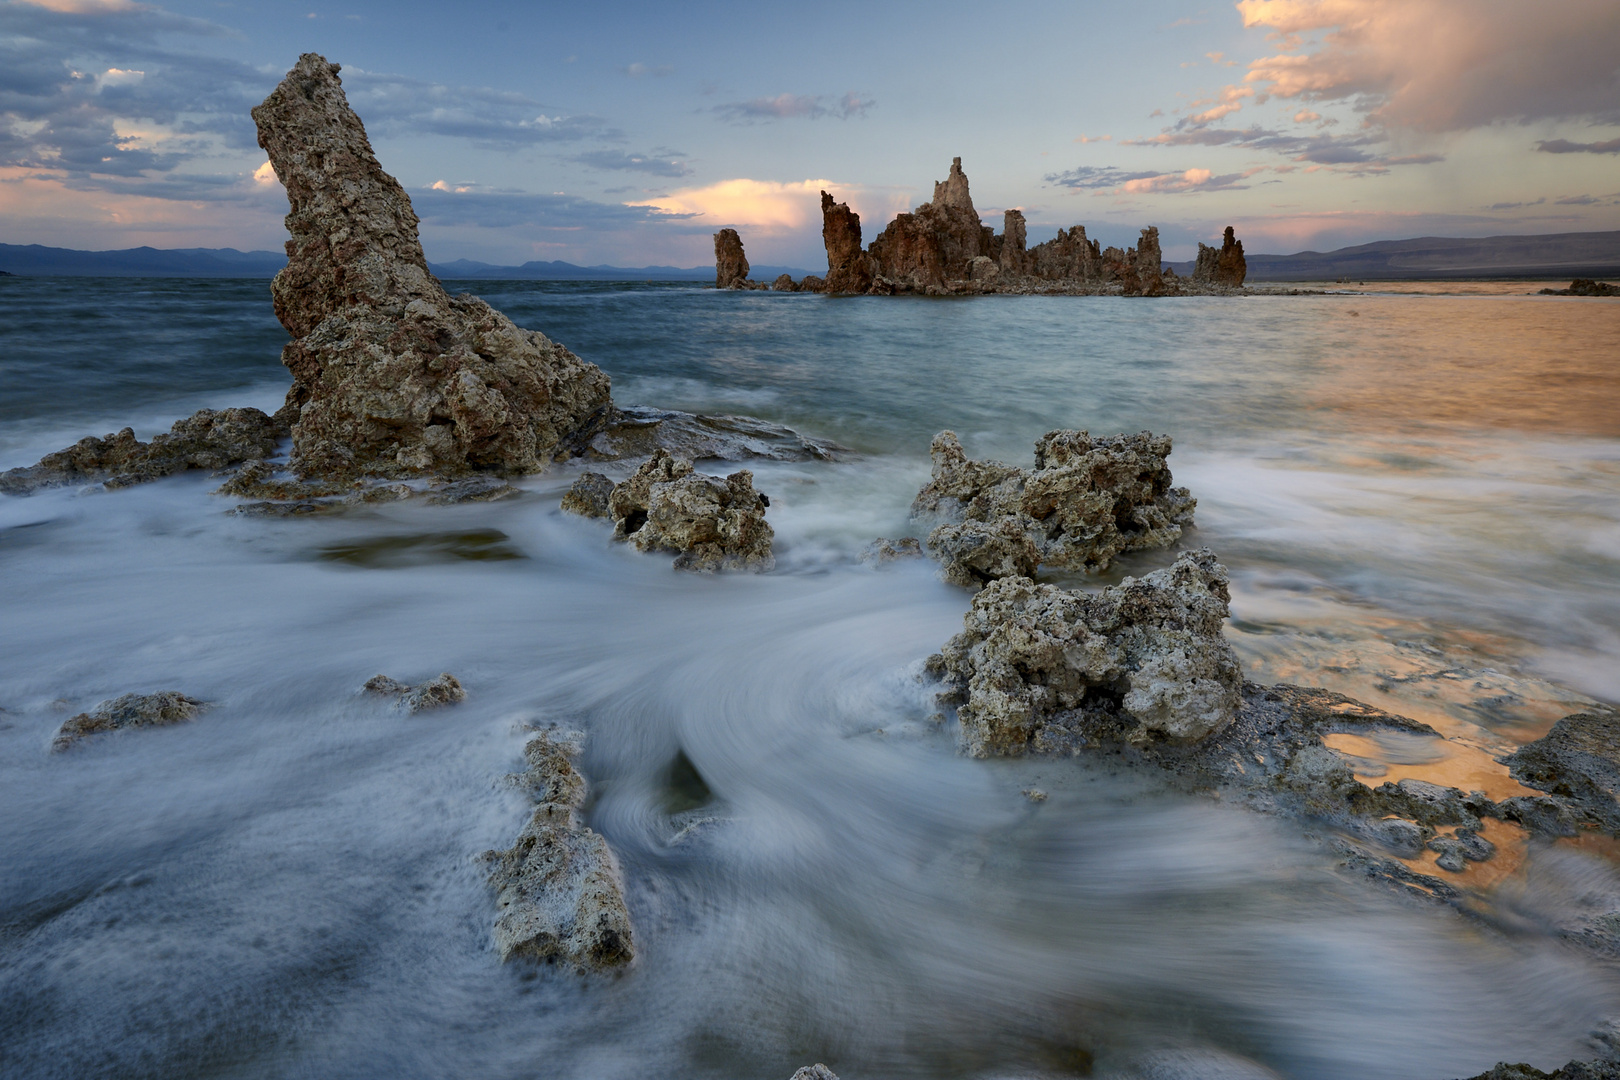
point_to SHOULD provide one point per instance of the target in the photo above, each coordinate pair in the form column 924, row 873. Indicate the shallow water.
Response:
column 1419, row 498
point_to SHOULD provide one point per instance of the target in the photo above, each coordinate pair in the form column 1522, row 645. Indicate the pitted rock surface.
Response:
column 130, row 711
column 392, row 376
column 712, row 524
column 1086, row 501
column 558, row 891
column 1578, row 762
column 436, row 693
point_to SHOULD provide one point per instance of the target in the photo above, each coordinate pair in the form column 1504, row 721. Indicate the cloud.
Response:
column 1589, row 200
column 1443, row 65
column 394, row 105
column 660, row 162
column 1564, row 146
column 453, row 205
column 1515, row 205
column 1096, row 177
column 794, row 106
column 1151, row 182
column 638, row 69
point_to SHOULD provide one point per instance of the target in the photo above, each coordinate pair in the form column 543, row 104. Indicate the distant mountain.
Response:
column 1553, row 255
column 35, row 260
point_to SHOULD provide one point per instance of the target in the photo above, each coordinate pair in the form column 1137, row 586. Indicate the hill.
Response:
column 1554, row 255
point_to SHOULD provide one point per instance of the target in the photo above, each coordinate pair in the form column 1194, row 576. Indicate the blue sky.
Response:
column 629, row 133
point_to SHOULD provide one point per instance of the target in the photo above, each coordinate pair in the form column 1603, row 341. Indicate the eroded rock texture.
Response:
column 392, row 376
column 1578, row 762
column 635, row 432
column 1223, row 266
column 935, row 244
column 848, row 268
column 730, row 264
column 1036, row 666
column 130, row 711
column 589, row 496
column 205, row 440
column 1086, row 501
column 558, row 891
column 436, row 693
column 712, row 524
column 1585, row 287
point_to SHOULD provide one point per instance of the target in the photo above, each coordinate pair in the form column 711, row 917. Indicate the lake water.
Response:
column 1418, row 496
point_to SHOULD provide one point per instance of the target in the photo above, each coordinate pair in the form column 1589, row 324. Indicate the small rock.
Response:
column 589, row 496
column 1453, row 856
column 817, row 1071
column 130, row 711
column 1034, row 794
column 883, row 550
column 433, row 694
column 473, row 489
column 713, row 524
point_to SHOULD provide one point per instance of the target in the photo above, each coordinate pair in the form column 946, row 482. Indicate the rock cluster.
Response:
column 1224, row 266
column 730, row 264
column 130, row 711
column 1086, row 501
column 713, row 524
column 433, row 694
column 557, row 888
column 392, row 376
column 207, row 439
column 1037, row 667
column 1585, row 287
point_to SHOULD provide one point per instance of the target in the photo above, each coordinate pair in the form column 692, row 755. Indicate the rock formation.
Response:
column 817, row 1071
column 589, row 496
column 1223, row 266
column 1086, row 501
column 933, row 245
column 433, row 694
column 730, row 264
column 635, row 432
column 557, row 888
column 712, row 524
column 392, row 376
column 130, row 711
column 1582, row 287
column 848, row 268
column 204, row 440
column 1037, row 666
column 1578, row 761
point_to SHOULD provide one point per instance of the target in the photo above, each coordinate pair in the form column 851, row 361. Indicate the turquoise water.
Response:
column 288, row 886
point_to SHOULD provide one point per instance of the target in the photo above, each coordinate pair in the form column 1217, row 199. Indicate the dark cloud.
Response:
column 794, row 107
column 660, row 162
column 1150, row 183
column 394, row 105
column 1096, row 177
column 1358, row 153
column 1564, row 146
column 1515, row 205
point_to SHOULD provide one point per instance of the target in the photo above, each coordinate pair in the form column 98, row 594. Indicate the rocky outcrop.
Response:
column 1575, row 1070
column 1577, row 762
column 848, row 268
column 712, row 524
column 204, row 440
column 589, row 496
column 1037, row 667
column 1086, row 501
column 558, row 890
column 934, row 245
column 635, row 432
column 130, row 711
column 392, row 376
column 433, row 694
column 1584, row 287
column 817, row 1071
column 730, row 264
column 1223, row 266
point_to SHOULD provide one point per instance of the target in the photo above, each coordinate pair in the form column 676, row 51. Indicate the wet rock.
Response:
column 558, row 890
column 1575, row 1070
column 392, row 376
column 1223, row 266
column 817, row 1071
column 433, row 694
column 207, row 439
column 712, row 524
column 1036, row 666
column 784, row 283
column 848, row 268
column 883, row 550
column 635, row 432
column 730, row 264
column 1585, row 287
column 1542, row 815
column 472, row 489
column 589, row 496
column 812, row 283
column 1086, row 501
column 130, row 711
column 1578, row 763
column 266, row 480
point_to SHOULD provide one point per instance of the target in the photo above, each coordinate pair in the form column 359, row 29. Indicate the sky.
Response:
column 627, row 133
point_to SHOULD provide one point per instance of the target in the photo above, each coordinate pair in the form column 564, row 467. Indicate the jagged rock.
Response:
column 557, row 888
column 1149, row 266
column 589, row 496
column 1086, row 501
column 1575, row 1070
column 883, row 550
column 812, row 283
column 1069, row 256
column 433, row 694
column 1584, row 287
column 392, row 376
column 730, row 264
column 713, row 524
column 848, row 268
column 636, row 432
column 1014, row 237
column 207, row 439
column 784, row 283
column 817, row 1071
column 1223, row 266
column 1577, row 762
column 130, row 711
column 934, row 244
column 265, row 480
column 1147, row 653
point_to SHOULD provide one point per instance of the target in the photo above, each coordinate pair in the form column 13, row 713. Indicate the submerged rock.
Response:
column 883, row 550
column 1086, row 501
column 1585, row 287
column 207, row 439
column 558, row 889
column 130, row 711
column 637, row 431
column 1577, row 762
column 589, row 496
column 433, row 694
column 730, row 264
column 1036, row 667
column 713, row 524
column 392, row 376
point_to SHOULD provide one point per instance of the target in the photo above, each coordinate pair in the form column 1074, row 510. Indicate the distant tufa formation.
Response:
column 943, row 249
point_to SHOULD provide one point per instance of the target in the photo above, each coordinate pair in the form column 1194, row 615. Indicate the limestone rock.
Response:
column 433, row 694
column 1223, row 266
column 817, row 1071
column 848, row 268
column 883, row 550
column 589, row 496
column 1148, row 651
column 207, row 439
column 392, row 376
column 558, row 890
column 712, row 524
column 1578, row 761
column 472, row 489
column 1086, row 501
column 1585, row 287
column 130, row 711
column 1149, row 265
column 933, row 246
column 1014, row 236
column 635, row 432
column 784, row 283
column 730, row 264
